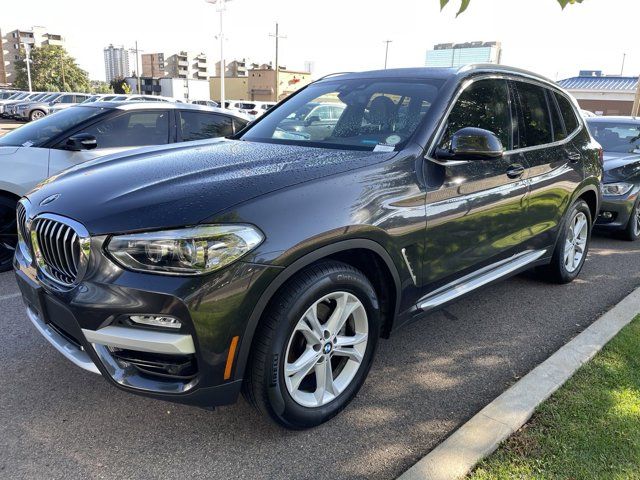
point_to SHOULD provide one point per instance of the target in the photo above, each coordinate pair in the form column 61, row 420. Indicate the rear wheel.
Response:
column 8, row 233
column 36, row 115
column 572, row 246
column 315, row 346
column 632, row 231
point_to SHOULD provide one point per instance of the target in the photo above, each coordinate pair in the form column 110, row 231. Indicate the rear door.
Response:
column 554, row 164
column 475, row 209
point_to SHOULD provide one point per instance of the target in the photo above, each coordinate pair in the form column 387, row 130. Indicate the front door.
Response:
column 475, row 212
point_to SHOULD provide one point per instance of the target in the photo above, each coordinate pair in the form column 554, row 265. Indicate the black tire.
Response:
column 264, row 385
column 36, row 113
column 8, row 235
column 632, row 230
column 557, row 271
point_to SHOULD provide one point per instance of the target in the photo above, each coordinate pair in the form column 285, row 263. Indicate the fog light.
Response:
column 607, row 215
column 156, row 321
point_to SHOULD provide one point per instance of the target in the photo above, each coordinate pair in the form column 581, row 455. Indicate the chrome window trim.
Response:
column 507, row 77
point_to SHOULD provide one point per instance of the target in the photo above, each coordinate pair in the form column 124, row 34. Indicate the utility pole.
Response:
column 221, row 6
column 624, row 57
column 277, row 37
column 138, row 69
column 62, row 68
column 27, row 51
column 386, row 52
column 636, row 103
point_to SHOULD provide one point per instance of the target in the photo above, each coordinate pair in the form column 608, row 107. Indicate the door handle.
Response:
column 514, row 171
column 574, row 157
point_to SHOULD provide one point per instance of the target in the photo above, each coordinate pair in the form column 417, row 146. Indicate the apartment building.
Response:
column 154, row 65
column 187, row 65
column 460, row 54
column 185, row 89
column 116, row 63
column 16, row 40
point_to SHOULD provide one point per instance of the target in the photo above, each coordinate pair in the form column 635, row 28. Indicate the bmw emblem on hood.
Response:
column 49, row 199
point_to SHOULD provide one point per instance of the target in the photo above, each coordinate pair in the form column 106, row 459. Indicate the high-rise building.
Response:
column 153, row 65
column 460, row 54
column 116, row 63
column 15, row 41
column 187, row 65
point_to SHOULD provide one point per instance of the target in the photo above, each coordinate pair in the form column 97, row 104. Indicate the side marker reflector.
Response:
column 231, row 357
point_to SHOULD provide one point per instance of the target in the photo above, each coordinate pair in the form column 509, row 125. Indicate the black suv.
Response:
column 272, row 263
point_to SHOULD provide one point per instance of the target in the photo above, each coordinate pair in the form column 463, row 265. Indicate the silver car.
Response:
column 38, row 150
column 52, row 104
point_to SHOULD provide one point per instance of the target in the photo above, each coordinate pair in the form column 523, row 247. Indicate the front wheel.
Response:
column 632, row 231
column 572, row 245
column 8, row 233
column 315, row 346
column 36, row 115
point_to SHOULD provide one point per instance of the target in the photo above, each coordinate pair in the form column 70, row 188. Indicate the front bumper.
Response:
column 615, row 211
column 86, row 325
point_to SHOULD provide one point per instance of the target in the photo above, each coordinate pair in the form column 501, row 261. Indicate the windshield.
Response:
column 119, row 98
column 617, row 137
column 50, row 97
column 358, row 114
column 38, row 133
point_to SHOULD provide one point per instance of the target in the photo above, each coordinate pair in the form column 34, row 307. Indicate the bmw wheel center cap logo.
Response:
column 49, row 199
column 327, row 348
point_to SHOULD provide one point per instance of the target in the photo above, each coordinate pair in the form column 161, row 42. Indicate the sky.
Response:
column 347, row 35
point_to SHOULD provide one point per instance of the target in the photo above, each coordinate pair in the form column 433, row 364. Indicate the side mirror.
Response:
column 472, row 143
column 312, row 120
column 81, row 141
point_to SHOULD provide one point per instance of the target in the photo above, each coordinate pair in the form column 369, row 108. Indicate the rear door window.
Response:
column 536, row 120
column 132, row 129
column 201, row 125
column 559, row 132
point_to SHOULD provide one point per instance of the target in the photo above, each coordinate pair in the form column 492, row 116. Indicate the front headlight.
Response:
column 189, row 251
column 616, row 189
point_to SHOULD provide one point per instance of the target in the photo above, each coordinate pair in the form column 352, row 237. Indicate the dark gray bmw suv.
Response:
column 271, row 263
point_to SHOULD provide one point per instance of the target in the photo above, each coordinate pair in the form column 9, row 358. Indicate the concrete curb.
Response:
column 457, row 455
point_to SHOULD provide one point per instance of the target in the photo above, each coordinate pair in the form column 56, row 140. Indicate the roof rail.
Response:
column 331, row 75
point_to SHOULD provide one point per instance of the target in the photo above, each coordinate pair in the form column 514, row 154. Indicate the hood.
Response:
column 178, row 186
column 620, row 166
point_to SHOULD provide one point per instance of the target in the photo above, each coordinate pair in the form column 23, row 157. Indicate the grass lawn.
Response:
column 589, row 429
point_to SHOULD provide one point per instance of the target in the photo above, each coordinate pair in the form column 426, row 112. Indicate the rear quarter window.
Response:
column 568, row 113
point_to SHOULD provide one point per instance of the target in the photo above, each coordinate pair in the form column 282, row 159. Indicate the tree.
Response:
column 100, row 87
column 465, row 3
column 52, row 69
column 119, row 85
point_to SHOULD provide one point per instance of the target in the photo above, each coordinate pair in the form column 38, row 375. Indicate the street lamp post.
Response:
column 386, row 52
column 27, row 51
column 220, row 8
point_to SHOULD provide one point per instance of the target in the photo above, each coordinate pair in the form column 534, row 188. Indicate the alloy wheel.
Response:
column 37, row 115
column 326, row 349
column 576, row 242
column 635, row 218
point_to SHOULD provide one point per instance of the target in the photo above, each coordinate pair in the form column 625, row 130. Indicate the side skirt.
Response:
column 477, row 279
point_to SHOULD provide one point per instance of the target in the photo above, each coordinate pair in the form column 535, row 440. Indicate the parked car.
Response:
column 33, row 152
column 206, row 103
column 67, row 100
column 11, row 108
column 5, row 94
column 142, row 98
column 272, row 264
column 620, row 139
column 315, row 120
column 18, row 97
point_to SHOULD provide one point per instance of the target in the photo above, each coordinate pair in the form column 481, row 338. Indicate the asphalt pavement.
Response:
column 57, row 421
